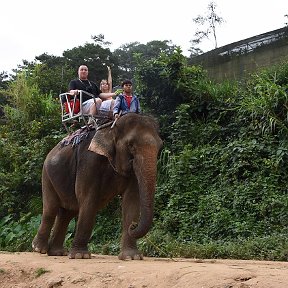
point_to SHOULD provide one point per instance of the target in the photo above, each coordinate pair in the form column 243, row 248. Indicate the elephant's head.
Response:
column 132, row 146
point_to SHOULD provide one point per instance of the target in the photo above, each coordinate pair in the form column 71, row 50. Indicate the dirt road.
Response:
column 31, row 270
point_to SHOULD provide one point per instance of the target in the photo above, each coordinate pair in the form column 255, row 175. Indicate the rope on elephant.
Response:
column 79, row 135
column 104, row 125
column 76, row 137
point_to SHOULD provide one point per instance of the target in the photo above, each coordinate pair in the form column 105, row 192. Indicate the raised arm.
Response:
column 109, row 79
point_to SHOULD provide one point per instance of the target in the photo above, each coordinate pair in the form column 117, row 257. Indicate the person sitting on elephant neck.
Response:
column 126, row 102
column 89, row 104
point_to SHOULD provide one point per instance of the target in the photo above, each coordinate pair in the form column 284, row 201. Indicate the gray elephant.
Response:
column 79, row 181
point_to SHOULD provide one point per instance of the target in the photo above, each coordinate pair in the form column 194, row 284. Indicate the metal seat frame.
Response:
column 71, row 116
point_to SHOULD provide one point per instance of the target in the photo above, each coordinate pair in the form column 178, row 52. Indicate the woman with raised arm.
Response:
column 90, row 105
column 107, row 105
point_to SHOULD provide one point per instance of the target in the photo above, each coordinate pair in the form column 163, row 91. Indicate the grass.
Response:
column 40, row 271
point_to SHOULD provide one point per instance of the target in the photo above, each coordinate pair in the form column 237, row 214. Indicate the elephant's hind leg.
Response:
column 85, row 223
column 50, row 210
column 57, row 238
column 40, row 241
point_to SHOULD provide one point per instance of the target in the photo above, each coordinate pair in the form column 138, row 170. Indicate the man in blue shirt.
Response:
column 127, row 102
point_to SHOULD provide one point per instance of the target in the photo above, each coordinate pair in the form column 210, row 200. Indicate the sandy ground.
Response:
column 20, row 270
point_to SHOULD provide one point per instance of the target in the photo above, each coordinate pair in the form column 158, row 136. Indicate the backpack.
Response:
column 74, row 104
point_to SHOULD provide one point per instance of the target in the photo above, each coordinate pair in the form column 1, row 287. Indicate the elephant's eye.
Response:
column 131, row 148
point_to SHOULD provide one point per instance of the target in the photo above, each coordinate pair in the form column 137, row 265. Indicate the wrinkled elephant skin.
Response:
column 79, row 181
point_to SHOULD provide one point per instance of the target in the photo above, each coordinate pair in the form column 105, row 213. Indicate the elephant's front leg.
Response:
column 85, row 223
column 130, row 214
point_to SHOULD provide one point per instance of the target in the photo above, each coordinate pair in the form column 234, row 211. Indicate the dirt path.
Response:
column 20, row 269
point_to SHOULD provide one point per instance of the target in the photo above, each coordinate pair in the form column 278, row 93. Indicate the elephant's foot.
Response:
column 39, row 246
column 57, row 252
column 79, row 254
column 132, row 254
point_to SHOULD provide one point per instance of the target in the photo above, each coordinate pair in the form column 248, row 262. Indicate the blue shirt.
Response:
column 122, row 105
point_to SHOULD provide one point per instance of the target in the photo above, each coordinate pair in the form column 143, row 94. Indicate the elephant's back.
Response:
column 64, row 157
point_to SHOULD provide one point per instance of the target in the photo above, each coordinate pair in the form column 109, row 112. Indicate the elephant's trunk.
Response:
column 145, row 168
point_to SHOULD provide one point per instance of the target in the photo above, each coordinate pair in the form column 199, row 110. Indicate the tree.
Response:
column 4, row 80
column 130, row 53
column 31, row 128
column 210, row 20
column 194, row 51
column 96, row 57
column 52, row 75
column 166, row 82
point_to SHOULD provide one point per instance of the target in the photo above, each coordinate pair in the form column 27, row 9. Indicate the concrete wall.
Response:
column 237, row 60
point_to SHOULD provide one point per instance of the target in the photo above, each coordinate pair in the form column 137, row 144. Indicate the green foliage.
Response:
column 51, row 74
column 17, row 235
column 241, row 183
column 217, row 194
column 40, row 271
column 266, row 101
column 207, row 116
column 130, row 53
column 223, row 173
column 96, row 57
column 52, row 78
column 273, row 248
column 4, row 82
column 165, row 83
column 26, row 138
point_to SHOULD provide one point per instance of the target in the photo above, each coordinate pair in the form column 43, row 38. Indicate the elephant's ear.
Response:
column 102, row 143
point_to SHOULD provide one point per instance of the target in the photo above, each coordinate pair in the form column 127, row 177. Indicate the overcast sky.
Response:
column 32, row 27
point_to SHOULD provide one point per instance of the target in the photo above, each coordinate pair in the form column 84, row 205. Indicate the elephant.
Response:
column 79, row 181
